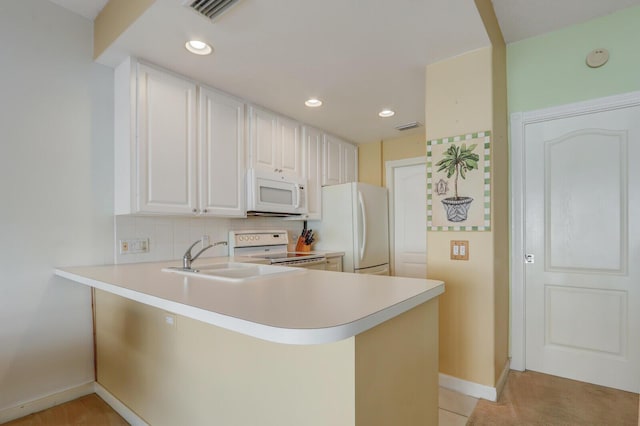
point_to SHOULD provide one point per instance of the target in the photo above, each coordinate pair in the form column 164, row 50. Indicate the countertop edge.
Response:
column 291, row 336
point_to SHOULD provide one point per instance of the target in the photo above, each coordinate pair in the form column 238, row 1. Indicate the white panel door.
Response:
column 582, row 205
column 410, row 221
column 221, row 189
column 166, row 143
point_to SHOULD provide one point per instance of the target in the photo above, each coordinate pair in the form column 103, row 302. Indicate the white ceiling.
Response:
column 87, row 8
column 357, row 56
column 521, row 19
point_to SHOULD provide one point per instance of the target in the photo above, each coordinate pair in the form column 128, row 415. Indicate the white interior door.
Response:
column 582, row 205
column 409, row 207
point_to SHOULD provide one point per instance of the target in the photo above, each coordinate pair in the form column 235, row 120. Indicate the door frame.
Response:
column 518, row 121
column 390, row 167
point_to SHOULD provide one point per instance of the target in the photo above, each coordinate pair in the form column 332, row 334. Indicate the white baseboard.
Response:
column 119, row 407
column 12, row 413
column 473, row 389
column 49, row 401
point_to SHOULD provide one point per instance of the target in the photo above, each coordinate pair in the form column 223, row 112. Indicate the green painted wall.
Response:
column 550, row 69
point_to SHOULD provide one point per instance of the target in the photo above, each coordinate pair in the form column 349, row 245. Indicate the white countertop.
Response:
column 305, row 307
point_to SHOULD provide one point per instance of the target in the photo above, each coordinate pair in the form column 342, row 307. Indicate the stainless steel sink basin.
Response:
column 235, row 271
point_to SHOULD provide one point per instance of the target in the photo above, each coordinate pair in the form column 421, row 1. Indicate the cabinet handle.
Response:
column 195, row 210
column 275, row 170
column 205, row 211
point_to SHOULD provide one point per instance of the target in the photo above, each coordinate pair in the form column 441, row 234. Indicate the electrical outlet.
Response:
column 205, row 241
column 134, row 245
column 170, row 319
column 459, row 250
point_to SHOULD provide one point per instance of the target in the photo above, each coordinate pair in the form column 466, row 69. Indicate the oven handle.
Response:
column 302, row 262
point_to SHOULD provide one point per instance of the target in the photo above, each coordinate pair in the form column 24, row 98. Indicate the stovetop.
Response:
column 267, row 244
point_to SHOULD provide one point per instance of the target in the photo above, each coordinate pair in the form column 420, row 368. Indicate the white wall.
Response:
column 56, row 192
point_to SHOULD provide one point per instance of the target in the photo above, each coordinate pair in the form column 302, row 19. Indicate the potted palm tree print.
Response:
column 458, row 161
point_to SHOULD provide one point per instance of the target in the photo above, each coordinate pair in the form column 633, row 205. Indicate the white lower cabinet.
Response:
column 167, row 161
column 334, row 264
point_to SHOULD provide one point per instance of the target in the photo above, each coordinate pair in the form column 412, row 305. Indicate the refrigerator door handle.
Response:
column 363, row 217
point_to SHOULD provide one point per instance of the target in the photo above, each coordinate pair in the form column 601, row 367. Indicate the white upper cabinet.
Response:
column 262, row 140
column 274, row 143
column 340, row 161
column 332, row 165
column 312, row 167
column 164, row 163
column 350, row 163
column 290, row 147
column 221, row 136
column 166, row 148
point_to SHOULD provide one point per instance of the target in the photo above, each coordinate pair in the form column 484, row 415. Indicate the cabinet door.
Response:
column 334, row 264
column 312, row 154
column 166, row 143
column 263, row 129
column 349, row 163
column 289, row 148
column 332, row 161
column 221, row 136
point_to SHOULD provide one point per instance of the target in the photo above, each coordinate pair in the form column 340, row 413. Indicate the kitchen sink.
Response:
column 235, row 271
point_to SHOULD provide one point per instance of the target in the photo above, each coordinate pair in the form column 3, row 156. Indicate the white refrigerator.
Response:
column 355, row 219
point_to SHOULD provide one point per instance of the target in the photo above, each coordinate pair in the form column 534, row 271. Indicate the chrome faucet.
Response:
column 188, row 258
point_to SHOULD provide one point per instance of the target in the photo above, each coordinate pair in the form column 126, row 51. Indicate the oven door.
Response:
column 275, row 193
column 320, row 264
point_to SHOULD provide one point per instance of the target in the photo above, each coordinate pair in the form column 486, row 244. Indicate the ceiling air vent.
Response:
column 209, row 8
column 408, row 126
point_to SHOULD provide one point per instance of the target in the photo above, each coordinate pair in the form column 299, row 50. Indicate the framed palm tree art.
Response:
column 459, row 183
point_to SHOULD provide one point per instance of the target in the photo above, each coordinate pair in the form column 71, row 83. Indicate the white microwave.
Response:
column 272, row 193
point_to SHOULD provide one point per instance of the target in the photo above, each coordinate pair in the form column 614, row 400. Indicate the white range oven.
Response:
column 271, row 246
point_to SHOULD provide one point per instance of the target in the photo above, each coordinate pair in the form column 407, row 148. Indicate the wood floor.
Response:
column 89, row 410
column 531, row 398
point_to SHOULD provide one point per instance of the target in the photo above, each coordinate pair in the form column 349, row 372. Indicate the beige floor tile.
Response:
column 456, row 402
column 447, row 418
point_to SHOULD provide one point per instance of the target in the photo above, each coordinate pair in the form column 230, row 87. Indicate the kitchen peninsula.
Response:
column 306, row 347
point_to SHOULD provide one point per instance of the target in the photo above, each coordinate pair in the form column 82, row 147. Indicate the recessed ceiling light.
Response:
column 386, row 113
column 198, row 47
column 313, row 102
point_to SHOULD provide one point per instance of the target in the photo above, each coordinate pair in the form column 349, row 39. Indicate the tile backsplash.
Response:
column 169, row 237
